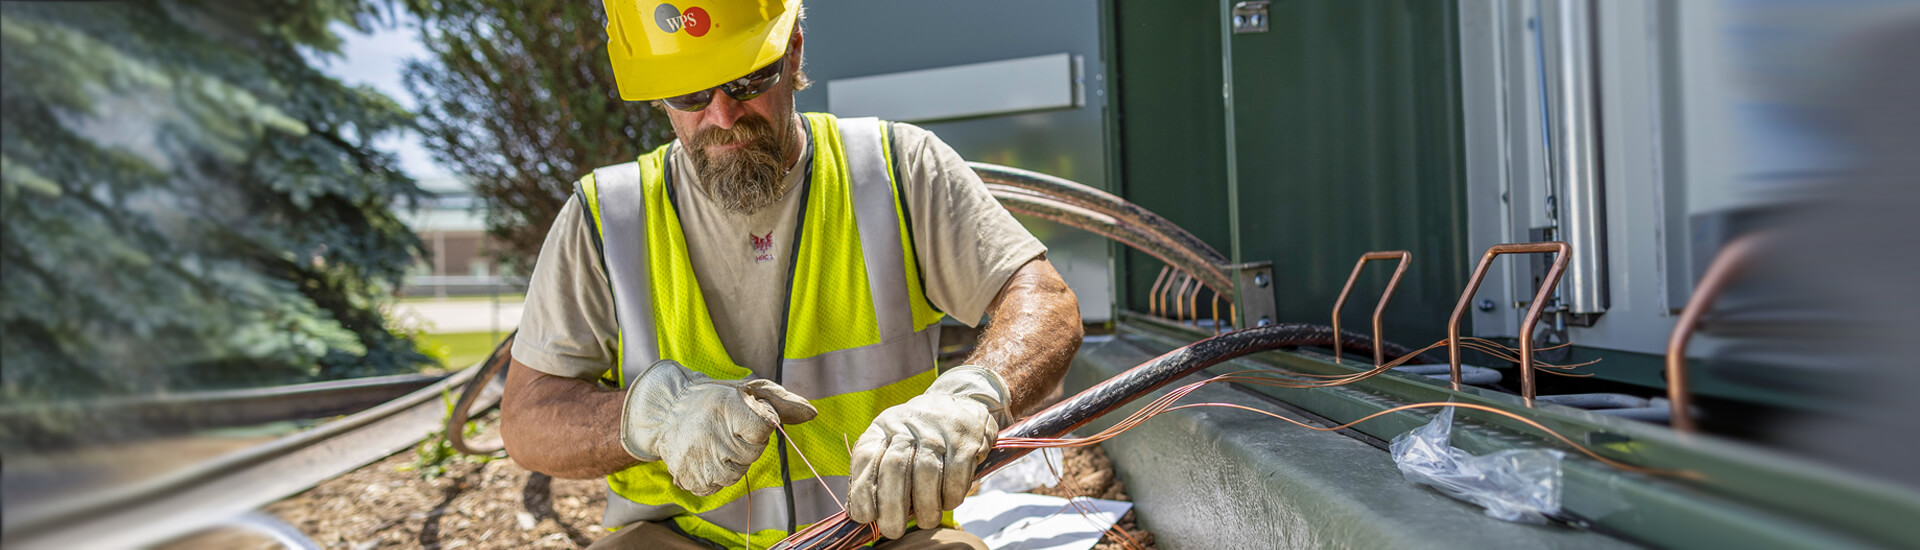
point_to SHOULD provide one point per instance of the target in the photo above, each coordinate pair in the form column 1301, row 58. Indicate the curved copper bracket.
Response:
column 1153, row 295
column 1731, row 260
column 1379, row 356
column 1193, row 303
column 1179, row 297
column 1216, row 313
column 1561, row 252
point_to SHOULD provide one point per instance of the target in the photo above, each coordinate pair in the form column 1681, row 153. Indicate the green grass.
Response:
column 462, row 349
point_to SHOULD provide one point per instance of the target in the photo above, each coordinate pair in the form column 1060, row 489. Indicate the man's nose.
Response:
column 724, row 110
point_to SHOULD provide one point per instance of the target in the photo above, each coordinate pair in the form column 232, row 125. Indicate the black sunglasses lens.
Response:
column 740, row 89
column 690, row 102
column 755, row 83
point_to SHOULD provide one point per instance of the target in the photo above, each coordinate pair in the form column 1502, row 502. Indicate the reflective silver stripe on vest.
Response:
column 767, row 506
column 879, row 225
column 623, row 238
column 862, row 368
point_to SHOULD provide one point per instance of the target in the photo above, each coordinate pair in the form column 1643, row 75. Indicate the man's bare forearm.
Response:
column 1033, row 335
column 563, row 427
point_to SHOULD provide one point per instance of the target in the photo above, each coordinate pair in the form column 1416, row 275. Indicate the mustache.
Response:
column 748, row 129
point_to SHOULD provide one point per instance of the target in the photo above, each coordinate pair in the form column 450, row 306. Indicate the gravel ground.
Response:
column 499, row 505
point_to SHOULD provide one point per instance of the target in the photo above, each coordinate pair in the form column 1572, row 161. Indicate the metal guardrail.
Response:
column 212, row 492
column 177, row 413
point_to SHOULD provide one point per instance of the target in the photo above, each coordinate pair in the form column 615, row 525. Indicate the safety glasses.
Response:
column 740, row 89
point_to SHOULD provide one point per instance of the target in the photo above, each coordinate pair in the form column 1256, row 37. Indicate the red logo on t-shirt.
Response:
column 762, row 247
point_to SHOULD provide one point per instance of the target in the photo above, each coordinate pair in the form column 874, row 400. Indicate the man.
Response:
column 738, row 329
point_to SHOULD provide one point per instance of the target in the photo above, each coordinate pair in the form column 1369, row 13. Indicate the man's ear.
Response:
column 795, row 45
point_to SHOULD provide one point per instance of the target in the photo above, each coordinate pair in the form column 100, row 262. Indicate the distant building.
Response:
column 458, row 260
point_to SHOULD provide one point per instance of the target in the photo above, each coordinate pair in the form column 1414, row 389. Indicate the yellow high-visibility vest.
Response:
column 860, row 333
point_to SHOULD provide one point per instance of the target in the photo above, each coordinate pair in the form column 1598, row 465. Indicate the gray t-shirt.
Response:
column 966, row 243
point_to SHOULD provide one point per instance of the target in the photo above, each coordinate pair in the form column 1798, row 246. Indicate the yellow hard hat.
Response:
column 665, row 49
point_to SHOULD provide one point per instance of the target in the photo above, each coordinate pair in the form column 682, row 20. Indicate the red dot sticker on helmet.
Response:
column 696, row 21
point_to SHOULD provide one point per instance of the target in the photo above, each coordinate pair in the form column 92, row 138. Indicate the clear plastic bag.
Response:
column 1520, row 485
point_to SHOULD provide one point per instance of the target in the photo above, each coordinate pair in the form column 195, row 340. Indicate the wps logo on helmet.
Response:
column 671, row 20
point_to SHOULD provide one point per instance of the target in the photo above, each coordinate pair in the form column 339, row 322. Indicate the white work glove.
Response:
column 707, row 431
column 920, row 455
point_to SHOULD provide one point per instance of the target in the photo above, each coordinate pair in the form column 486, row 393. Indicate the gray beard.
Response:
column 742, row 182
column 749, row 179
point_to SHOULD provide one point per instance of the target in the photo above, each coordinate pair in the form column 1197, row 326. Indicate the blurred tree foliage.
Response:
column 520, row 101
column 189, row 203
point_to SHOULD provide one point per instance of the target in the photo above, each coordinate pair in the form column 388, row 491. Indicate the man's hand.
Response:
column 707, row 431
column 920, row 455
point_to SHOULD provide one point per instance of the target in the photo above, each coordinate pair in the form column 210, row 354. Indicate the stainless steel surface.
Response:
column 1576, row 131
column 1507, row 167
column 1488, row 133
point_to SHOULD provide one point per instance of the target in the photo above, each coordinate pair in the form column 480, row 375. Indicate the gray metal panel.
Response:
column 1484, row 119
column 975, row 89
column 1580, row 180
column 1630, row 108
column 862, row 38
column 1507, row 163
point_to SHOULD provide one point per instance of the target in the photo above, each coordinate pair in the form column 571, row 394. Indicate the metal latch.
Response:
column 1250, row 16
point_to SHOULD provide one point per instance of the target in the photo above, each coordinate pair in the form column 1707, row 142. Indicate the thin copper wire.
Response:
column 1153, row 300
column 1727, row 264
column 809, row 463
column 1378, row 310
column 1561, row 253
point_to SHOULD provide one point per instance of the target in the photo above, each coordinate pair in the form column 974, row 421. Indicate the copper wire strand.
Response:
column 791, row 442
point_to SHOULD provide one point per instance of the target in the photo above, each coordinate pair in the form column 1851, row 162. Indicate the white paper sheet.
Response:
column 1023, row 521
